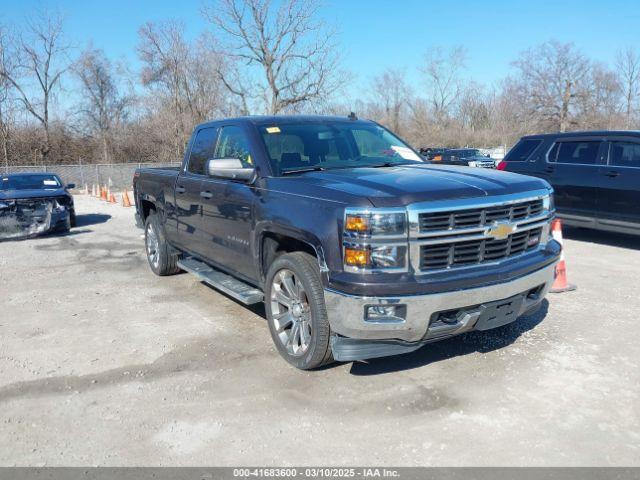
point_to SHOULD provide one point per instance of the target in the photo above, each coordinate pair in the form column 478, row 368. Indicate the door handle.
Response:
column 612, row 174
column 180, row 189
column 206, row 195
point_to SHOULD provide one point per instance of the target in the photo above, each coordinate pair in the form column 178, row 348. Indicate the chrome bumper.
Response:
column 347, row 312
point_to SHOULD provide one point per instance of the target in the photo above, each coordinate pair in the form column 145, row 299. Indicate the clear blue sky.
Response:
column 384, row 33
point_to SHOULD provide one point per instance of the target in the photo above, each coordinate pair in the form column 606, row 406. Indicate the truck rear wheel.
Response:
column 296, row 312
column 162, row 260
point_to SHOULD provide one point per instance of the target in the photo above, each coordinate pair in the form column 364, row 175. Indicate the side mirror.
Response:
column 230, row 168
column 70, row 185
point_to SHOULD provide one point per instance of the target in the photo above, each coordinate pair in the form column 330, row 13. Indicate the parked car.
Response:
column 33, row 204
column 357, row 246
column 432, row 153
column 595, row 175
column 468, row 157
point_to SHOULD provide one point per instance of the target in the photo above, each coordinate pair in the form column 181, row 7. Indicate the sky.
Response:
column 378, row 34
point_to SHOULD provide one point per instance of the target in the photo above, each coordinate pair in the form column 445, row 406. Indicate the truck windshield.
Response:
column 326, row 145
column 29, row 182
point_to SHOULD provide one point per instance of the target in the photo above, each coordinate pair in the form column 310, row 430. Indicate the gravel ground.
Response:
column 103, row 363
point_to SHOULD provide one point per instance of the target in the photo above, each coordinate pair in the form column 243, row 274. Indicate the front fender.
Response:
column 264, row 227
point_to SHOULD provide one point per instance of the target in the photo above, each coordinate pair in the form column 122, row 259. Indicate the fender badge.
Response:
column 500, row 231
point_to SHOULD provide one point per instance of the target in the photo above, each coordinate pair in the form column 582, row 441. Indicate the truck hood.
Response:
column 406, row 184
column 36, row 193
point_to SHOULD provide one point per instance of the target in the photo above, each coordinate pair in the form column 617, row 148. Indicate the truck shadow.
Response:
column 465, row 344
column 612, row 239
column 87, row 219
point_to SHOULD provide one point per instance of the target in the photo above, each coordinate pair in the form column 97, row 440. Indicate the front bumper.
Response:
column 347, row 312
column 44, row 220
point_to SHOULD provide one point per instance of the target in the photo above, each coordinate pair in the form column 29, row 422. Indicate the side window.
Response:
column 233, row 143
column 202, row 150
column 522, row 151
column 585, row 153
column 624, row 154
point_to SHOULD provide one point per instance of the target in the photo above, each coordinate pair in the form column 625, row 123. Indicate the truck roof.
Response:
column 282, row 119
column 586, row 133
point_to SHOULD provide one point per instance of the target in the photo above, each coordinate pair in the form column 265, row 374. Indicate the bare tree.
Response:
column 6, row 65
column 186, row 74
column 552, row 77
column 473, row 109
column 390, row 95
column 288, row 54
column 443, row 69
column 598, row 107
column 103, row 108
column 42, row 63
column 628, row 68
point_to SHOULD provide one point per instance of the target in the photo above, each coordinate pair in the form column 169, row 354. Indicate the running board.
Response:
column 221, row 281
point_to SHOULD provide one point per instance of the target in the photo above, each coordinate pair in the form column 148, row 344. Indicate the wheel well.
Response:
column 274, row 245
column 147, row 207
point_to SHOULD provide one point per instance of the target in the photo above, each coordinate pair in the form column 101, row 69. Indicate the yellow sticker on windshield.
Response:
column 273, row 129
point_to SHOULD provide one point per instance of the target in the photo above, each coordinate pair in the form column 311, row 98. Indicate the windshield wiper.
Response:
column 302, row 170
column 391, row 164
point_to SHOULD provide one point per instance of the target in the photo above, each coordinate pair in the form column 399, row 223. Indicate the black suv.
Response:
column 595, row 175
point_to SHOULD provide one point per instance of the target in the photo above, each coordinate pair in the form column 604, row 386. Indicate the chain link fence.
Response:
column 116, row 175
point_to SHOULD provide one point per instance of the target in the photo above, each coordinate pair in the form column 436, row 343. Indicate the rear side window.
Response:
column 581, row 153
column 202, row 150
column 522, row 151
column 624, row 154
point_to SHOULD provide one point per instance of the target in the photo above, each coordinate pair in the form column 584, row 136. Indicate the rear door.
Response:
column 227, row 206
column 187, row 191
column 572, row 167
column 620, row 199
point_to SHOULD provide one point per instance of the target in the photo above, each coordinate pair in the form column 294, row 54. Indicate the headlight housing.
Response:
column 375, row 240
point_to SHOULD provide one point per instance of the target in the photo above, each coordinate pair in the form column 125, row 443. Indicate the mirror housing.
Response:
column 230, row 168
column 70, row 185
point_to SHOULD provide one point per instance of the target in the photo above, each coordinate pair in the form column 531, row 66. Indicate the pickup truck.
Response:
column 357, row 247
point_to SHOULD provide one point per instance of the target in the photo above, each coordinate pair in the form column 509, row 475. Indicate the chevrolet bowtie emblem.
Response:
column 500, row 231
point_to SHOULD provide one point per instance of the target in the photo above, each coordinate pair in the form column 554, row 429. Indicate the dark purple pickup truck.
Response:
column 356, row 245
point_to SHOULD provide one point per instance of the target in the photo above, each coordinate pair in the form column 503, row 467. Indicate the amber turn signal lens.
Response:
column 357, row 223
column 357, row 257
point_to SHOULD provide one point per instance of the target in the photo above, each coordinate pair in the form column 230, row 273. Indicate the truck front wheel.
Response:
column 162, row 260
column 296, row 312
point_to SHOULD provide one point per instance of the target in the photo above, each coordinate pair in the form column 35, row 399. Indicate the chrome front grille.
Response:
column 455, row 254
column 459, row 233
column 478, row 217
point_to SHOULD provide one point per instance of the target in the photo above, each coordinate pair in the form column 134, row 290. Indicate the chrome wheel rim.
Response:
column 290, row 312
column 153, row 253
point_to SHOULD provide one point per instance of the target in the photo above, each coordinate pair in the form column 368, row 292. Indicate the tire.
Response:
column 298, row 312
column 72, row 218
column 161, row 257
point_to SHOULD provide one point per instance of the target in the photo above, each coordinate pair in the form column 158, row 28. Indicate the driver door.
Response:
column 227, row 208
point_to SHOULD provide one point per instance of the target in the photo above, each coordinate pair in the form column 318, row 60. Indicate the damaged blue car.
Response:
column 33, row 204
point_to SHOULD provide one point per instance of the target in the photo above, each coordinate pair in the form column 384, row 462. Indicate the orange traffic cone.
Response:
column 103, row 194
column 125, row 199
column 112, row 198
column 560, row 283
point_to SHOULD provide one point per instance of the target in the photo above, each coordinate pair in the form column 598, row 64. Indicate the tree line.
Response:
column 61, row 104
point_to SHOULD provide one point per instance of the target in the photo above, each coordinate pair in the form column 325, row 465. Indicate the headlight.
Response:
column 371, row 223
column 548, row 203
column 376, row 257
column 375, row 240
